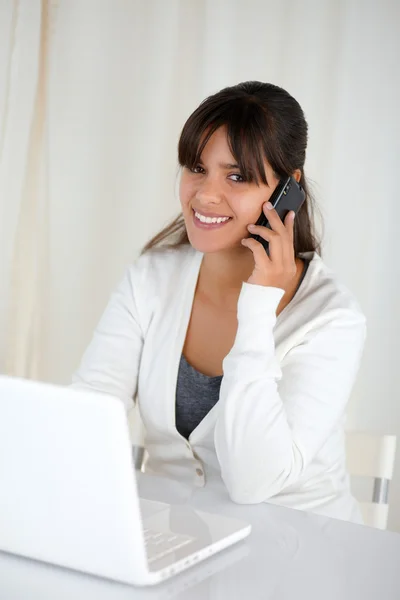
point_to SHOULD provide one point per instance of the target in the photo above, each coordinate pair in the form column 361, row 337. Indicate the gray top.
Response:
column 197, row 393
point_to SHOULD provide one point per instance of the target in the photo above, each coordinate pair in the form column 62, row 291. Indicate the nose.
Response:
column 209, row 192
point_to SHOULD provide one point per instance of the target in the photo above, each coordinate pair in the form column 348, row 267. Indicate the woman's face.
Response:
column 215, row 189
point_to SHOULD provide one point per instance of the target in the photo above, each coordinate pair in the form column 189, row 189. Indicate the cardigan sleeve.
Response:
column 274, row 418
column 111, row 362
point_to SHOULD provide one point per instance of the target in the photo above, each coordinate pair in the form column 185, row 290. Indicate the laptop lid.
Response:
column 88, row 519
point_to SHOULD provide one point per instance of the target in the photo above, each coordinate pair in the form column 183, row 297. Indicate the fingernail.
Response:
column 268, row 205
column 292, row 215
column 251, row 226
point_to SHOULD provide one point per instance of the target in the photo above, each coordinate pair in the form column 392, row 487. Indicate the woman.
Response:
column 242, row 362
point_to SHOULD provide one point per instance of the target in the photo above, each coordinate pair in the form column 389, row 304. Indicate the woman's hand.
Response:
column 279, row 268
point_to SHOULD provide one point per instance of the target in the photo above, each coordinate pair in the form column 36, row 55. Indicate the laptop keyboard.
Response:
column 159, row 544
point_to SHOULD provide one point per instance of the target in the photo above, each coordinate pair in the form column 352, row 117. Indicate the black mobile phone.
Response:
column 288, row 195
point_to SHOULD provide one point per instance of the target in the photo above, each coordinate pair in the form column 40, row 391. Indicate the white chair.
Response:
column 372, row 455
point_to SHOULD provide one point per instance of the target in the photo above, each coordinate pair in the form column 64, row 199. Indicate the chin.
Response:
column 206, row 246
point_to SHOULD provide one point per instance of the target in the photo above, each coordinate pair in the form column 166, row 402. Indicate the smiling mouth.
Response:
column 209, row 222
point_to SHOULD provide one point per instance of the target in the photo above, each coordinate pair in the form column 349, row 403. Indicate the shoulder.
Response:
column 153, row 277
column 323, row 298
column 324, row 319
column 161, row 264
column 159, row 272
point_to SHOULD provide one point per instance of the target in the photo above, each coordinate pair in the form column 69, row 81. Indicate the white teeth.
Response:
column 210, row 219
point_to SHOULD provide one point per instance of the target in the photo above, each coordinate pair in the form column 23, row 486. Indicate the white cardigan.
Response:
column 276, row 433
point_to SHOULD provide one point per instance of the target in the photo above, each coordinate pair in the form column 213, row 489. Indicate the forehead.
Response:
column 218, row 141
column 218, row 147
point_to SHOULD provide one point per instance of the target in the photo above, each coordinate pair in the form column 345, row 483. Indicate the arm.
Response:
column 111, row 362
column 274, row 419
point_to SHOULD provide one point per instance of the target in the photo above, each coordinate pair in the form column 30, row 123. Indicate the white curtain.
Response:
column 93, row 94
column 22, row 182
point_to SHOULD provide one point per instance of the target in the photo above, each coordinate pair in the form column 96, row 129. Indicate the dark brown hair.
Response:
column 263, row 121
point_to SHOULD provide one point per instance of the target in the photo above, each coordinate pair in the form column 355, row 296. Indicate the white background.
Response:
column 93, row 94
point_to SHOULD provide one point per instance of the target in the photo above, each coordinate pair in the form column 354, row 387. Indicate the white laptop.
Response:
column 68, row 493
column 25, row 579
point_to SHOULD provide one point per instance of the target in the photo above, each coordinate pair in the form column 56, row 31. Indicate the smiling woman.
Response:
column 265, row 135
column 242, row 362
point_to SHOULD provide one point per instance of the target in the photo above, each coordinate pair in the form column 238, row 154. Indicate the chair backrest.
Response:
column 372, row 455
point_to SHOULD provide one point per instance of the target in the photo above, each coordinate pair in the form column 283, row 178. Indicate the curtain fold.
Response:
column 22, row 182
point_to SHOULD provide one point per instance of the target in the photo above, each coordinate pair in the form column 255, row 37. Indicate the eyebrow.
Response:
column 225, row 165
column 228, row 165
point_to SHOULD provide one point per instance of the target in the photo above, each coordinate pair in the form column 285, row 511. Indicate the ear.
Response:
column 297, row 175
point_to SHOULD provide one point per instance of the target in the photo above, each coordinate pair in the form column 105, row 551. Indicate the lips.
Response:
column 207, row 226
column 211, row 215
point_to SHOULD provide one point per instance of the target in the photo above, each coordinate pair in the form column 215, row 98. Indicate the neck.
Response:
column 222, row 273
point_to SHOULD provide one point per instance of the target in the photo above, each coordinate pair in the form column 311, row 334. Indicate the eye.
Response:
column 242, row 179
column 194, row 169
column 199, row 170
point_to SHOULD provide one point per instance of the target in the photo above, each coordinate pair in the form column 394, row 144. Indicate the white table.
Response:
column 289, row 555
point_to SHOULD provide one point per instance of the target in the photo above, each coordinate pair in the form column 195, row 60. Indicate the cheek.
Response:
column 186, row 192
column 248, row 210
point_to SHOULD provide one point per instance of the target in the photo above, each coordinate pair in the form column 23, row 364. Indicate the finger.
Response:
column 274, row 219
column 274, row 239
column 258, row 250
column 264, row 232
column 288, row 243
column 289, row 224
